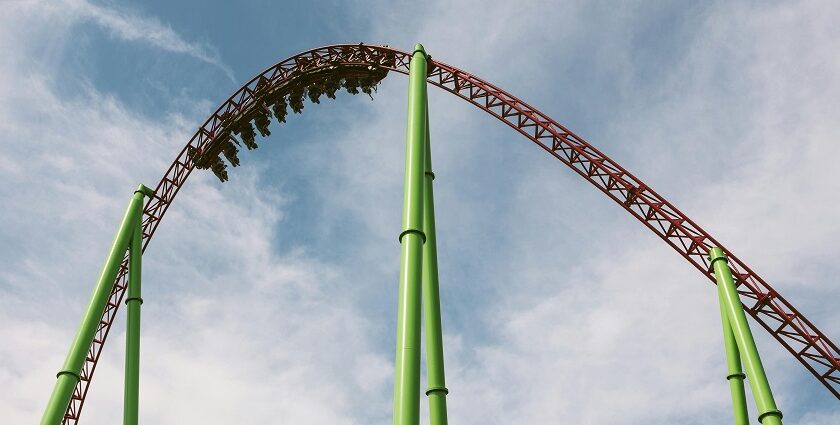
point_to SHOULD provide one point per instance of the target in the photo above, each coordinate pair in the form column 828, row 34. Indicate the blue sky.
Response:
column 271, row 298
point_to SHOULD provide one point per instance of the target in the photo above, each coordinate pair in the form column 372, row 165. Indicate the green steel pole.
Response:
column 69, row 375
column 768, row 414
column 734, row 374
column 407, row 364
column 437, row 390
column 132, row 336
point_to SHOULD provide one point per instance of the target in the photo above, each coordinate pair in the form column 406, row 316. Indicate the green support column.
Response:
column 733, row 365
column 431, row 300
column 768, row 414
column 407, row 363
column 69, row 376
column 132, row 336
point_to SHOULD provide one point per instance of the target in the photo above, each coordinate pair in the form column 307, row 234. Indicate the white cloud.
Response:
column 737, row 127
column 129, row 25
column 557, row 307
column 245, row 332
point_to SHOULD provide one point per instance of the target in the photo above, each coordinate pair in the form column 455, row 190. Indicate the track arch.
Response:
column 774, row 313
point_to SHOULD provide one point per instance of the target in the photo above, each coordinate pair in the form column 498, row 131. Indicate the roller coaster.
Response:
column 358, row 68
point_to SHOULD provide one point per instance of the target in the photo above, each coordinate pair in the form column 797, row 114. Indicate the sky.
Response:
column 272, row 298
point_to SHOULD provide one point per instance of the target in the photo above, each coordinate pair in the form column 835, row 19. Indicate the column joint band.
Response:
column 443, row 390
column 415, row 231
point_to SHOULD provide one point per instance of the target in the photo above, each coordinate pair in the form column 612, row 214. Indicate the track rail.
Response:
column 775, row 314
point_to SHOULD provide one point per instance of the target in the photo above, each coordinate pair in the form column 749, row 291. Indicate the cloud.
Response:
column 241, row 329
column 131, row 26
column 558, row 308
column 557, row 303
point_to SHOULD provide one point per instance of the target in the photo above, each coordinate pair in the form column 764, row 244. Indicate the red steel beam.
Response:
column 775, row 314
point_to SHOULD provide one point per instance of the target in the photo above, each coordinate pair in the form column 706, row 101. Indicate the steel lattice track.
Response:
column 774, row 313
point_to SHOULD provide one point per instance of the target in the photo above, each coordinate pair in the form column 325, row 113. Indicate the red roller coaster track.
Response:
column 774, row 313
